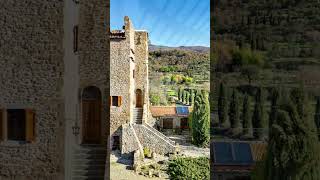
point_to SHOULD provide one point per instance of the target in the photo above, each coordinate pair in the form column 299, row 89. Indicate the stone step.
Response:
column 89, row 162
column 90, row 156
column 91, row 167
column 88, row 178
column 88, row 172
column 90, row 151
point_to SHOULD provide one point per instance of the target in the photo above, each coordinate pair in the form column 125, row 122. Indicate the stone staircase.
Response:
column 89, row 162
column 137, row 115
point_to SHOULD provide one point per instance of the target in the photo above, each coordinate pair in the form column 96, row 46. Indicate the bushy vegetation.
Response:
column 182, row 168
column 173, row 79
column 245, row 56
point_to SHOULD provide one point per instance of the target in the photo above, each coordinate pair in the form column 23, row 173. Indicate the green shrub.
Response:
column 189, row 168
column 147, row 152
column 246, row 56
column 155, row 99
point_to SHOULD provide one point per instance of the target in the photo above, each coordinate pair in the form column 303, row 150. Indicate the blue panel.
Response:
column 182, row 110
column 222, row 152
column 232, row 153
column 242, row 152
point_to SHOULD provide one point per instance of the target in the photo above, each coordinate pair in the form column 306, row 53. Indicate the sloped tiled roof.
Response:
column 159, row 111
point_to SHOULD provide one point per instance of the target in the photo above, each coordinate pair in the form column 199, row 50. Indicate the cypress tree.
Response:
column 180, row 93
column 188, row 98
column 317, row 116
column 258, row 118
column 234, row 113
column 246, row 117
column 184, row 99
column 298, row 98
column 293, row 150
column 222, row 106
column 192, row 97
column 201, row 119
column 274, row 103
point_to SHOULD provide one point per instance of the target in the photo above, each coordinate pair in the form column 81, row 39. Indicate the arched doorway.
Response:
column 91, row 115
column 139, row 98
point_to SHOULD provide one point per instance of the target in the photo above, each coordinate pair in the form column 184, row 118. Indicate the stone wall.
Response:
column 121, row 77
column 151, row 139
column 129, row 140
column 93, row 52
column 142, row 78
column 31, row 71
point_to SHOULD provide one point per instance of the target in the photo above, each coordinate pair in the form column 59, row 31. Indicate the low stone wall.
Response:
column 150, row 139
column 129, row 140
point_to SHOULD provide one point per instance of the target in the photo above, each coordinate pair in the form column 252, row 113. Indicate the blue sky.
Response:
column 169, row 22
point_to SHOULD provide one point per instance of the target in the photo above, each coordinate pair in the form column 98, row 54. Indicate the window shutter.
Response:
column 30, row 125
column 110, row 101
column 1, row 124
column 119, row 100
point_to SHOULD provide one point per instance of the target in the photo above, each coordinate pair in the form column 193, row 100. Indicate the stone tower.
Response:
column 129, row 91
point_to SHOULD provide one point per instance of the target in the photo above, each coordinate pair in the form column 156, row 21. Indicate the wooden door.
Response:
column 91, row 113
column 139, row 99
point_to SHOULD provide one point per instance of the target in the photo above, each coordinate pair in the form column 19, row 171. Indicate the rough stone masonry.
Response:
column 129, row 82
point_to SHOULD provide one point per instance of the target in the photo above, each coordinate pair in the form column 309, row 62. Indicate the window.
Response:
column 18, row 126
column 133, row 73
column 116, row 101
column 75, row 39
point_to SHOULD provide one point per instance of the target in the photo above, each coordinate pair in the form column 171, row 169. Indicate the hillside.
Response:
column 201, row 49
column 268, row 42
column 171, row 68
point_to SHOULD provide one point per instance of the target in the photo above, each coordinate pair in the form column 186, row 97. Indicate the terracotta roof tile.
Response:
column 158, row 111
column 163, row 111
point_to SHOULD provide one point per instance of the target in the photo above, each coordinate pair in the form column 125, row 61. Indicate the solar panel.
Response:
column 182, row 110
column 232, row 153
column 242, row 153
column 222, row 152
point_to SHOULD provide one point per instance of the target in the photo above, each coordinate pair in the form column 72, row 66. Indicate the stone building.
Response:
column 171, row 117
column 53, row 86
column 129, row 103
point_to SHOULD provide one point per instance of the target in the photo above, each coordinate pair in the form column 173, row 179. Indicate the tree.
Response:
column 184, row 99
column 155, row 99
column 298, row 97
column 192, row 97
column 187, row 97
column 246, row 117
column 234, row 113
column 293, row 150
column 180, row 94
column 274, row 103
column 259, row 118
column 317, row 116
column 222, row 105
column 251, row 72
column 201, row 119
